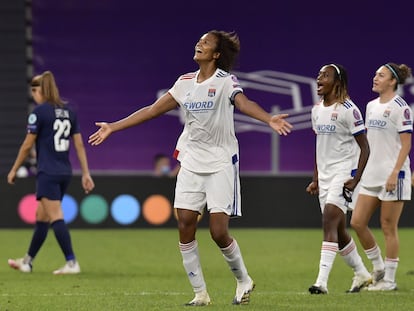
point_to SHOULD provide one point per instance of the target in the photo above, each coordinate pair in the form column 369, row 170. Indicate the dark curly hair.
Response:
column 228, row 45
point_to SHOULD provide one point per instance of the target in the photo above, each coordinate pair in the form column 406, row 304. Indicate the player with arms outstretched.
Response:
column 208, row 152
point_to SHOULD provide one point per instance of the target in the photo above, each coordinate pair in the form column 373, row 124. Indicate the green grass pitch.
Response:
column 140, row 269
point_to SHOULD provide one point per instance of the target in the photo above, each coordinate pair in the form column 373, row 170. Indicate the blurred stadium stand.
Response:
column 15, row 51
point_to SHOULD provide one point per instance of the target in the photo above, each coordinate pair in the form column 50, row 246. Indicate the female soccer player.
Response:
column 208, row 152
column 50, row 126
column 386, row 182
column 341, row 154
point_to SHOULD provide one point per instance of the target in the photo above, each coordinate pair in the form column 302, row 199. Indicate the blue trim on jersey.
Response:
column 406, row 131
column 222, row 73
column 234, row 95
column 347, row 104
column 400, row 101
column 360, row 132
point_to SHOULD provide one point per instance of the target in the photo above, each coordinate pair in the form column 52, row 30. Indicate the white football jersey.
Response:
column 384, row 123
column 336, row 148
column 208, row 141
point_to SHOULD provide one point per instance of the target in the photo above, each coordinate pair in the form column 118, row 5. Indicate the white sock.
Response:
column 191, row 262
column 351, row 256
column 27, row 259
column 374, row 254
column 391, row 265
column 328, row 254
column 232, row 255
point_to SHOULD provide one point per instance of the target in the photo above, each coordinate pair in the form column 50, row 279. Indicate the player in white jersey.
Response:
column 208, row 153
column 342, row 151
column 386, row 181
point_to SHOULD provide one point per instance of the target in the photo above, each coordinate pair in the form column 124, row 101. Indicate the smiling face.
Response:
column 383, row 81
column 326, row 81
column 205, row 49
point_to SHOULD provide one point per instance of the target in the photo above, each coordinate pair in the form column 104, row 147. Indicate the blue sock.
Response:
column 63, row 238
column 39, row 236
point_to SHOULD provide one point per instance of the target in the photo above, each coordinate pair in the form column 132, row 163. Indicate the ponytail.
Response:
column 48, row 88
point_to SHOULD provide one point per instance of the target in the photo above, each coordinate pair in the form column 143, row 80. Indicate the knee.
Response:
column 41, row 216
column 186, row 232
column 388, row 228
column 217, row 235
column 185, row 226
column 357, row 224
column 220, row 237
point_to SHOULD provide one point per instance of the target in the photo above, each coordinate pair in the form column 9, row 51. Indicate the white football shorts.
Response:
column 219, row 191
column 402, row 193
column 333, row 194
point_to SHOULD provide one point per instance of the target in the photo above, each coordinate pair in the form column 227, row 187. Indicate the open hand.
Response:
column 101, row 134
column 280, row 125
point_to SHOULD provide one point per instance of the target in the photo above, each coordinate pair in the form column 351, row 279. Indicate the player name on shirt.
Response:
column 61, row 113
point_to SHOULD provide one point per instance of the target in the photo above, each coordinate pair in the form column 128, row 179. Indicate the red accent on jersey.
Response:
column 175, row 154
column 188, row 76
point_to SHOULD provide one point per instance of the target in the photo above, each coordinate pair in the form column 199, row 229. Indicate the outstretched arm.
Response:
column 252, row 109
column 162, row 105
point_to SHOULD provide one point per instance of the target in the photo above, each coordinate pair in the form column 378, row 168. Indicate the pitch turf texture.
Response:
column 142, row 270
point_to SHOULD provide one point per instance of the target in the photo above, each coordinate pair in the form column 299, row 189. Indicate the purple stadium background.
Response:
column 112, row 57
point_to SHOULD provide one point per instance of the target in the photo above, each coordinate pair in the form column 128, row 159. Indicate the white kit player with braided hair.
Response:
column 341, row 154
column 386, row 182
column 208, row 153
